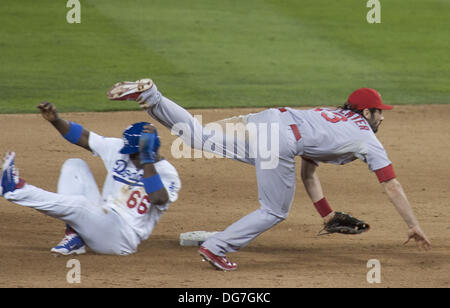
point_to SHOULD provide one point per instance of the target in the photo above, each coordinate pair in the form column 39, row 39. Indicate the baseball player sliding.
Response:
column 320, row 135
column 139, row 187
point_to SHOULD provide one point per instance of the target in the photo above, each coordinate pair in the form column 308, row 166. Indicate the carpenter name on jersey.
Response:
column 338, row 136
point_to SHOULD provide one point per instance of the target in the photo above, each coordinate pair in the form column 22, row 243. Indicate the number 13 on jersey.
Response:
column 331, row 116
column 139, row 200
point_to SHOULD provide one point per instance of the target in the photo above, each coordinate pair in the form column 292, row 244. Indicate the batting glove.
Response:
column 149, row 144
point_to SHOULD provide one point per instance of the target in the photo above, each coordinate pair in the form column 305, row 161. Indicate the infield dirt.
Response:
column 217, row 192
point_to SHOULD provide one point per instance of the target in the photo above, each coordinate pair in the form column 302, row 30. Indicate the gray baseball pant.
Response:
column 276, row 181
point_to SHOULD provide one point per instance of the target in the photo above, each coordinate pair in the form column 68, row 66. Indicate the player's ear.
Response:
column 366, row 113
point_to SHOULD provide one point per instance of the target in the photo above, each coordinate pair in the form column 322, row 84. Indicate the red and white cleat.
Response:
column 216, row 261
column 129, row 90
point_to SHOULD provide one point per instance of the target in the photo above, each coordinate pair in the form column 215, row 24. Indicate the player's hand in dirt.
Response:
column 419, row 236
column 48, row 111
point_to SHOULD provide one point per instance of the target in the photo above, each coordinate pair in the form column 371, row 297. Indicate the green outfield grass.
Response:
column 227, row 53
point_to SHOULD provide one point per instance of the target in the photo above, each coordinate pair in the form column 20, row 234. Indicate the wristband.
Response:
column 152, row 183
column 74, row 133
column 385, row 174
column 323, row 207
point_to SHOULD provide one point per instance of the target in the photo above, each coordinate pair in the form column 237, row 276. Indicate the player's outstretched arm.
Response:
column 311, row 181
column 72, row 132
column 314, row 189
column 398, row 197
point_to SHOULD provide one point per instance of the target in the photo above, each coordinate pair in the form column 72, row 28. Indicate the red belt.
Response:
column 294, row 127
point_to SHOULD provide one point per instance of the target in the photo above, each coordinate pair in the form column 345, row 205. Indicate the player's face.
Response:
column 375, row 119
column 135, row 159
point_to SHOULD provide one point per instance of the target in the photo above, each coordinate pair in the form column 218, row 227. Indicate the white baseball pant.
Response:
column 78, row 204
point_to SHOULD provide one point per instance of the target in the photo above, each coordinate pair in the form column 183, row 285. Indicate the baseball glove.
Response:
column 345, row 224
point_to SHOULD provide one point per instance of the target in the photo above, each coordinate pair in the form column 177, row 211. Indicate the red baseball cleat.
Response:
column 218, row 262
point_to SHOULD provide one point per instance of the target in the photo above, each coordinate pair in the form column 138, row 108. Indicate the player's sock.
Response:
column 149, row 98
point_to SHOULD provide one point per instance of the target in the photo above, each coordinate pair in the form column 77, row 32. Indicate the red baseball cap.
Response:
column 367, row 98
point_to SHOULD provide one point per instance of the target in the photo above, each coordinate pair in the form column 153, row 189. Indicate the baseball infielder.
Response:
column 139, row 187
column 320, row 135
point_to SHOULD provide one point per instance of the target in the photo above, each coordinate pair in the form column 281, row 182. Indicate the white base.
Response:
column 194, row 238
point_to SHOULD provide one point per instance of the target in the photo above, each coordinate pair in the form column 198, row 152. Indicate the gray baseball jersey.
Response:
column 338, row 136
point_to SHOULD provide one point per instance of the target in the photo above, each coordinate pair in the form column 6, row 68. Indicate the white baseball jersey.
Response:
column 124, row 191
column 338, row 136
column 114, row 222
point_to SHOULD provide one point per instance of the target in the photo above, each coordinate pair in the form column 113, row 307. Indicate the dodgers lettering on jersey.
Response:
column 338, row 136
column 124, row 191
column 129, row 176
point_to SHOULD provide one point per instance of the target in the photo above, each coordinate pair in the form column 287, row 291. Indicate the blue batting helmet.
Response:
column 131, row 138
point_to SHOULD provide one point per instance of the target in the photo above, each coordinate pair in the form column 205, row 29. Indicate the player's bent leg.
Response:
column 276, row 188
column 235, row 237
column 241, row 233
column 11, row 182
column 76, row 179
column 105, row 232
column 54, row 205
column 102, row 229
column 14, row 189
